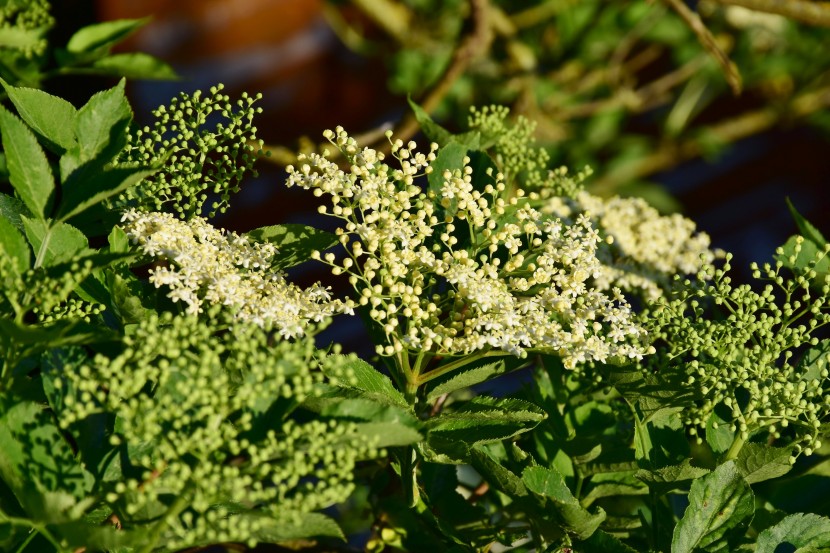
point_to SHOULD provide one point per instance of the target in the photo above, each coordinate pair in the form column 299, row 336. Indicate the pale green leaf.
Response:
column 135, row 65
column 53, row 244
column 102, row 123
column 29, row 170
column 295, row 242
column 799, row 532
column 102, row 35
column 82, row 193
column 49, row 116
column 388, row 434
column 720, row 505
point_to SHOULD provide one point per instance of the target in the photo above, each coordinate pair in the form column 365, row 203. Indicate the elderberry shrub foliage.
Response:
column 162, row 389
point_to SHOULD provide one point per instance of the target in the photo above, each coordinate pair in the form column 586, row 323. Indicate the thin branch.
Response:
column 692, row 19
column 476, row 44
column 813, row 13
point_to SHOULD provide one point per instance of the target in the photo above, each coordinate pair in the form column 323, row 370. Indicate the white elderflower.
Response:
column 208, row 265
column 462, row 269
column 643, row 250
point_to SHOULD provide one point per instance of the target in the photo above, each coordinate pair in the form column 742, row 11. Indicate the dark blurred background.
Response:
column 287, row 50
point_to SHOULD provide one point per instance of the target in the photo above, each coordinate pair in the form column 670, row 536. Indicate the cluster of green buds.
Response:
column 753, row 353
column 24, row 24
column 201, row 412
column 197, row 160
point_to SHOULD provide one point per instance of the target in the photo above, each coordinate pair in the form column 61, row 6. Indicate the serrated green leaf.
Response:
column 102, row 35
column 549, row 484
column 719, row 433
column 294, row 242
column 674, row 477
column 757, row 462
column 496, row 474
column 13, row 244
column 128, row 296
column 720, row 505
column 801, row 532
column 486, row 419
column 806, row 228
column 611, row 484
column 102, row 124
column 294, row 526
column 465, row 379
column 364, row 377
column 601, row 542
column 83, row 192
column 29, row 170
column 49, row 116
column 11, row 209
column 53, row 244
column 432, row 130
column 135, row 65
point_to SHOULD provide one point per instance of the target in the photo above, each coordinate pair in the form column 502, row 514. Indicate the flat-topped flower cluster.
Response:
column 645, row 249
column 462, row 267
column 213, row 267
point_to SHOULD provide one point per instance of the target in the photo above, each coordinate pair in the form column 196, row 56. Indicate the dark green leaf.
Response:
column 486, row 419
column 135, row 65
column 294, row 242
column 129, row 296
column 295, row 526
column 83, row 192
column 600, row 542
column 757, row 462
column 29, row 170
column 719, row 433
column 49, row 116
column 806, row 228
column 60, row 333
column 101, row 125
column 660, row 441
column 13, row 244
column 353, row 372
column 674, row 477
column 465, row 379
column 102, row 35
column 549, row 484
column 799, row 532
column 720, row 505
column 11, row 208
column 53, row 244
column 496, row 474
column 611, row 484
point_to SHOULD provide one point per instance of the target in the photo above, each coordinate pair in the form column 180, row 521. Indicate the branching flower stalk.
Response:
column 463, row 270
column 757, row 354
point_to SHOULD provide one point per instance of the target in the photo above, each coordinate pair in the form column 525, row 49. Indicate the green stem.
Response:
column 409, row 477
column 173, row 511
column 736, row 446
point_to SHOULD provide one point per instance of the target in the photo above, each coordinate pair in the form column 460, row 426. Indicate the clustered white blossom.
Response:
column 210, row 266
column 462, row 269
column 644, row 250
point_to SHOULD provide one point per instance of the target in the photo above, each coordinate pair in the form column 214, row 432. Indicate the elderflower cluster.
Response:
column 748, row 351
column 462, row 269
column 210, row 266
column 644, row 250
column 194, row 419
column 196, row 160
